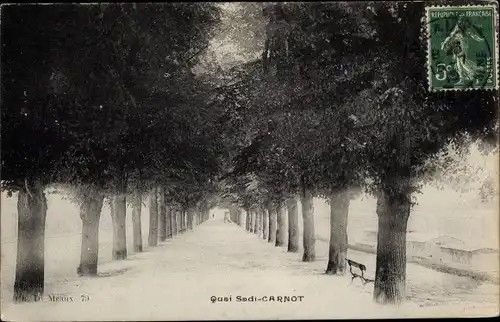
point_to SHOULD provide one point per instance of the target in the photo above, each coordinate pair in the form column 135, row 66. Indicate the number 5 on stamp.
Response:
column 462, row 47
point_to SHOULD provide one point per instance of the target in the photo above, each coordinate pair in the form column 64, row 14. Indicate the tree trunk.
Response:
column 203, row 213
column 136, row 221
column 162, row 223
column 241, row 218
column 256, row 226
column 179, row 221
column 339, row 209
column 190, row 218
column 183, row 220
column 118, row 216
column 174, row 220
column 390, row 274
column 250, row 220
column 169, row 222
column 30, row 264
column 293, row 225
column 207, row 213
column 281, row 225
column 233, row 214
column 309, row 239
column 90, row 213
column 272, row 225
column 247, row 220
column 265, row 224
column 153, row 218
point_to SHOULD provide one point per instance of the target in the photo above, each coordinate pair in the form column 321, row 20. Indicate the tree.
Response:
column 32, row 140
column 411, row 125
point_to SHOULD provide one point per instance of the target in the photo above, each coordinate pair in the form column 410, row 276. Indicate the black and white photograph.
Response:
column 176, row 161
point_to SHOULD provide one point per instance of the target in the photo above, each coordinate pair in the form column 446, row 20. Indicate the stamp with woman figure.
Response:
column 462, row 52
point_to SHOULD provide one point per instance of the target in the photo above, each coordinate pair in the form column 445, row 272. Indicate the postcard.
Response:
column 249, row 160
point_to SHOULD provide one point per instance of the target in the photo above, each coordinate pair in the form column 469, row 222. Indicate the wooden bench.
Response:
column 362, row 269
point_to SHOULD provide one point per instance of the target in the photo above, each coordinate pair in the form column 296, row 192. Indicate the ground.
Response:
column 176, row 281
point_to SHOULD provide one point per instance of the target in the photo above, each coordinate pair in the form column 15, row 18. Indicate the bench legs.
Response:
column 362, row 278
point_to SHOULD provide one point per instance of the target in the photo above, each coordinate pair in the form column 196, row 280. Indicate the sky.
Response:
column 239, row 38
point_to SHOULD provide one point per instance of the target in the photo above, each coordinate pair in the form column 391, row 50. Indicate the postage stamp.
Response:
column 462, row 47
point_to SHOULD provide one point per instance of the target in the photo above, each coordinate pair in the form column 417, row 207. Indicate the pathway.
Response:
column 177, row 280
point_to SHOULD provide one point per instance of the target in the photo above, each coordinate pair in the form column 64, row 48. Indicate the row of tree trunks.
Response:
column 32, row 213
column 280, row 225
column 393, row 210
column 339, row 208
column 273, row 221
column 90, row 214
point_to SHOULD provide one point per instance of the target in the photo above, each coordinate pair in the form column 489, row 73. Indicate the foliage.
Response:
column 125, row 103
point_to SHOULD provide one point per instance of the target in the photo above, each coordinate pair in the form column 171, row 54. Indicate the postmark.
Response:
column 462, row 47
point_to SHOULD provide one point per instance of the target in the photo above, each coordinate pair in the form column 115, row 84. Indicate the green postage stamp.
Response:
column 462, row 52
